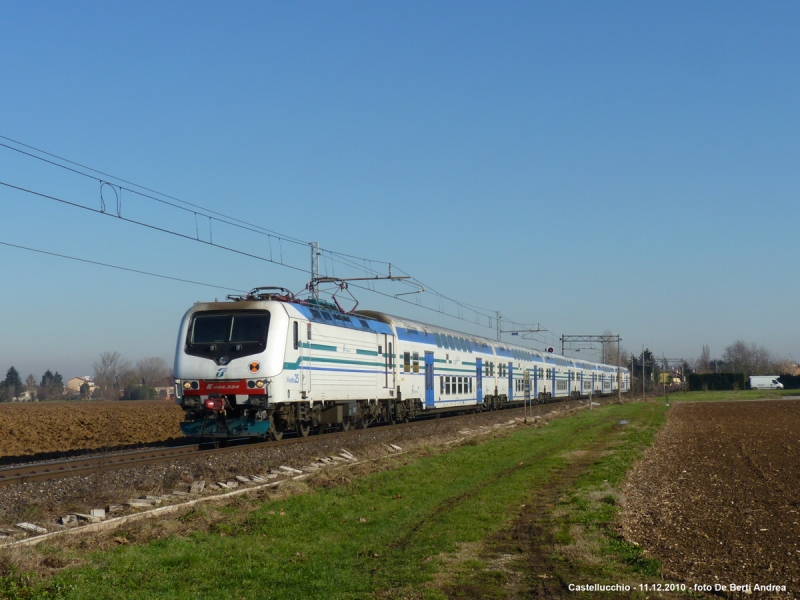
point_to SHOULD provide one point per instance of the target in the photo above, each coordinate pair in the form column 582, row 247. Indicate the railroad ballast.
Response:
column 268, row 363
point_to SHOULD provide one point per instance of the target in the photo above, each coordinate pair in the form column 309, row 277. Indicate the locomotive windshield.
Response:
column 238, row 328
column 217, row 335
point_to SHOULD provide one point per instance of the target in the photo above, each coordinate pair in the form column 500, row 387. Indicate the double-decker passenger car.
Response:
column 267, row 363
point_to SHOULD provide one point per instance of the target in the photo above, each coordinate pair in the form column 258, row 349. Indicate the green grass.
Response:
column 587, row 547
column 592, row 503
column 385, row 533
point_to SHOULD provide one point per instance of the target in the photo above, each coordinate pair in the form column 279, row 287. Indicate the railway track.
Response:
column 112, row 461
column 74, row 467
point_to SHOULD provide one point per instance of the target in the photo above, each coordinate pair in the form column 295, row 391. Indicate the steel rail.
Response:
column 75, row 467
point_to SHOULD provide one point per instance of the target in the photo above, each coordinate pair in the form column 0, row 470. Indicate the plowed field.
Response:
column 57, row 426
column 717, row 498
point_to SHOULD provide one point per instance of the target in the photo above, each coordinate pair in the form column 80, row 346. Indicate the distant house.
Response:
column 74, row 384
column 165, row 388
column 668, row 378
column 26, row 396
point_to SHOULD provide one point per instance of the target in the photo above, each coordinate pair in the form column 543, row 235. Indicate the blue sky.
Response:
column 589, row 166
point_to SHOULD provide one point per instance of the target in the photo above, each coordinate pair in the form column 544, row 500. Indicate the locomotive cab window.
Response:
column 214, row 334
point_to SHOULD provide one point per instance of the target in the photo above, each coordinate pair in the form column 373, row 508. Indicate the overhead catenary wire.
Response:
column 347, row 260
column 413, row 282
column 197, row 209
column 147, row 225
column 142, row 187
column 120, row 268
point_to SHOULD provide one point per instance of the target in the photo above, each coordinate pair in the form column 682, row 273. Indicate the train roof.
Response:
column 407, row 329
column 417, row 331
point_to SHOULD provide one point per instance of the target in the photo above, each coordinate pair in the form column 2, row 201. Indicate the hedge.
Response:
column 716, row 381
column 790, row 382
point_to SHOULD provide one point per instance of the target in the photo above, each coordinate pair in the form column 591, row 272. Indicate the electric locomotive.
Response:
column 268, row 363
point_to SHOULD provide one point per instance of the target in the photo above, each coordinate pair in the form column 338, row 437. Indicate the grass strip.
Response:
column 383, row 534
column 571, row 535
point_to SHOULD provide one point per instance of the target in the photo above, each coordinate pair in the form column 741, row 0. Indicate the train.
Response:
column 267, row 363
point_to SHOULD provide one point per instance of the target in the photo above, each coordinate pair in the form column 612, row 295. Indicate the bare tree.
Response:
column 784, row 367
column 609, row 351
column 152, row 370
column 109, row 372
column 704, row 362
column 749, row 359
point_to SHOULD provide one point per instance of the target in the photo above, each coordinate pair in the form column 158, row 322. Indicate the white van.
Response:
column 765, row 382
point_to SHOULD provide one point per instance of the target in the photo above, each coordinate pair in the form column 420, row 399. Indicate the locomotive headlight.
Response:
column 187, row 385
column 251, row 384
column 259, row 384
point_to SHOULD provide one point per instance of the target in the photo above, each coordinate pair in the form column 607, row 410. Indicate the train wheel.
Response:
column 303, row 428
column 273, row 433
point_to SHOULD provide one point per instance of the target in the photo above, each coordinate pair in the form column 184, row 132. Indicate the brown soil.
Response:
column 58, row 426
column 717, row 497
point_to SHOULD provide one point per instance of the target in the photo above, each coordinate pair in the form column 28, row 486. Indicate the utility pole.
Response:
column 314, row 270
column 619, row 371
column 499, row 326
column 643, row 371
column 674, row 361
column 605, row 340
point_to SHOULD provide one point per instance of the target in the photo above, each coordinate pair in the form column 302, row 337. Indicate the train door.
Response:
column 526, row 385
column 536, row 383
column 386, row 354
column 392, row 367
column 304, row 355
column 553, row 374
column 479, row 380
column 569, row 382
column 307, row 361
column 429, row 399
column 510, row 381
